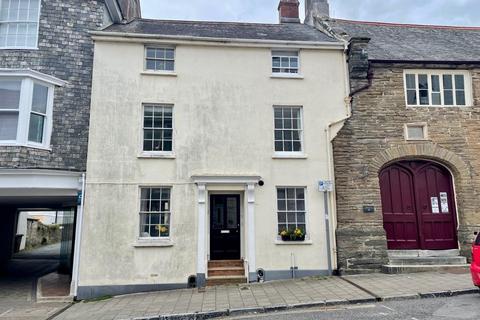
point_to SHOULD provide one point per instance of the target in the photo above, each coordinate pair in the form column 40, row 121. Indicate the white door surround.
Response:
column 248, row 182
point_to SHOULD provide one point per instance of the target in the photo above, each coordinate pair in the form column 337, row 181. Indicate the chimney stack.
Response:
column 316, row 8
column 288, row 11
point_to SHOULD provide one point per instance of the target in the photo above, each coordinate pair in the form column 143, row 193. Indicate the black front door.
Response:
column 224, row 227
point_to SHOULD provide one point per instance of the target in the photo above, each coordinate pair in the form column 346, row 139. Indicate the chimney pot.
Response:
column 288, row 11
column 316, row 8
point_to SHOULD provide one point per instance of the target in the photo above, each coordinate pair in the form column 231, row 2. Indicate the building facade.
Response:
column 207, row 144
column 46, row 58
column 407, row 160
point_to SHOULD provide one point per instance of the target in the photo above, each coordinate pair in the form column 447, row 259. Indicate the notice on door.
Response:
column 444, row 202
column 435, row 208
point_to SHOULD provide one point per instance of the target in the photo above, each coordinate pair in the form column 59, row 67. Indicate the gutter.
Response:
column 141, row 37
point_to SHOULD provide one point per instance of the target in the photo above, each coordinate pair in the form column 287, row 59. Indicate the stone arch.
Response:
column 461, row 171
column 427, row 151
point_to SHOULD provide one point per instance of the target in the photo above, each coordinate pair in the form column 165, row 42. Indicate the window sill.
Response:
column 159, row 73
column 19, row 48
column 286, row 76
column 156, row 156
column 293, row 243
column 289, row 156
column 151, row 243
column 25, row 146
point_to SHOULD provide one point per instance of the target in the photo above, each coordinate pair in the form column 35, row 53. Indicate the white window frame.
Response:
column 468, row 87
column 139, row 213
column 419, row 124
column 168, row 72
column 156, row 154
column 307, row 217
column 290, row 154
column 24, row 21
column 285, row 74
column 28, row 78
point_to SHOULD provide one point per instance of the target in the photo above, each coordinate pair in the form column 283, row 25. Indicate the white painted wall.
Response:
column 223, row 117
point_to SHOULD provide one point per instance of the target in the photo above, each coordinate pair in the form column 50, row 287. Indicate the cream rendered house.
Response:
column 207, row 140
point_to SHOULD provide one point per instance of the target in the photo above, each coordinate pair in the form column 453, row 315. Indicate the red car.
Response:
column 475, row 266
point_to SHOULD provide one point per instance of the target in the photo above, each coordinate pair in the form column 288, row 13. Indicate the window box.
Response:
column 291, row 237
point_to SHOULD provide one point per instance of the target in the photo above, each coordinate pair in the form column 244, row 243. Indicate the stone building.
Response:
column 407, row 161
column 46, row 60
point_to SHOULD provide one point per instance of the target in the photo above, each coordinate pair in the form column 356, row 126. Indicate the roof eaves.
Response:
column 326, row 44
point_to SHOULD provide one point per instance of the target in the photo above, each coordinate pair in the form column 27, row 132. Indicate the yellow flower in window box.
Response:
column 163, row 230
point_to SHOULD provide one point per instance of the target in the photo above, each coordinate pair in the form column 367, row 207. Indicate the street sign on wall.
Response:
column 325, row 186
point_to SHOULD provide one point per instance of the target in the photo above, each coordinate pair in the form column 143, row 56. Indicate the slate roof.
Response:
column 225, row 30
column 401, row 42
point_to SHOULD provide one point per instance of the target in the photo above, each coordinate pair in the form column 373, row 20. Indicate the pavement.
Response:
column 18, row 285
column 463, row 307
column 273, row 296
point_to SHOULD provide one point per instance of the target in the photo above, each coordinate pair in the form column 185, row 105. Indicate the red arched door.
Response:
column 418, row 206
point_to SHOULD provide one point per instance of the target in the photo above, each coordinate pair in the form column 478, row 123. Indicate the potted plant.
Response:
column 295, row 235
column 163, row 230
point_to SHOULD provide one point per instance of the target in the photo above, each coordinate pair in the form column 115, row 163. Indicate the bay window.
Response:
column 26, row 105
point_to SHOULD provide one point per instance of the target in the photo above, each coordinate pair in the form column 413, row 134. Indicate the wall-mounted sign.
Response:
column 435, row 208
column 444, row 202
column 325, row 186
column 368, row 209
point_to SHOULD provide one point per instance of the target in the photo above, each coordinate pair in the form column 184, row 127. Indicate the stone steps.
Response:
column 427, row 261
column 223, row 280
column 411, row 261
column 221, row 272
column 229, row 271
column 397, row 269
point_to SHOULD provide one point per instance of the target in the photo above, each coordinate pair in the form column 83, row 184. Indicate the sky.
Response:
column 439, row 12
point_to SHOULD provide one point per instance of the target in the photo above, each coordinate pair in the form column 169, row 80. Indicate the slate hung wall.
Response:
column 65, row 51
column 374, row 137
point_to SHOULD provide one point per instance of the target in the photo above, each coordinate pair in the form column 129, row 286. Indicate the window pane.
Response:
column 436, row 98
column 459, row 82
column 423, row 89
column 460, row 96
column 10, row 94
column 169, row 53
column 447, row 81
column 448, row 97
column 8, row 125
column 35, row 130
column 412, row 97
column 411, row 82
column 40, row 96
column 435, row 83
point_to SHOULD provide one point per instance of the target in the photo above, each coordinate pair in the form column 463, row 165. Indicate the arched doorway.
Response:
column 418, row 206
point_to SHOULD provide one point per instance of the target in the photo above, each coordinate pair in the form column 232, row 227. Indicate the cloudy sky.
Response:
column 443, row 12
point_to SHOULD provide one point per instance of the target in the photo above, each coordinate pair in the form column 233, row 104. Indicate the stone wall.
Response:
column 374, row 136
column 65, row 51
column 39, row 234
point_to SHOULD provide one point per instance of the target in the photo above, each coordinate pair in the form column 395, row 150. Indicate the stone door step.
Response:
column 428, row 261
column 226, row 271
column 396, row 269
column 423, row 253
column 222, row 280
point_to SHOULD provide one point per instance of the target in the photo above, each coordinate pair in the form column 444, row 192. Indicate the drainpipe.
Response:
column 78, row 239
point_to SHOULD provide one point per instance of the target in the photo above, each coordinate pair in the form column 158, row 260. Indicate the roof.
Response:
column 407, row 42
column 223, row 30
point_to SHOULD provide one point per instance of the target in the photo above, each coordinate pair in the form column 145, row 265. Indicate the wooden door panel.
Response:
column 438, row 222
column 399, row 218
